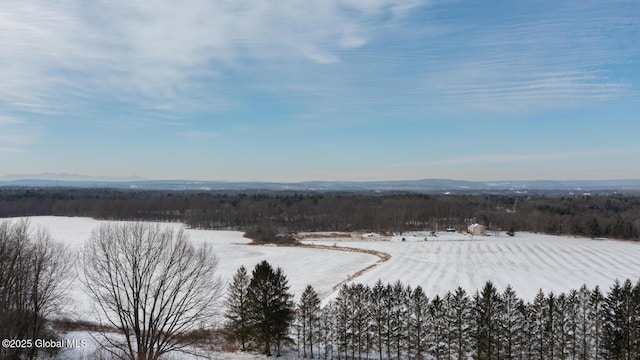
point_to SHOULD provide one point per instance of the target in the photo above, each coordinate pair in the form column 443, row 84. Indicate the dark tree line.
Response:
column 395, row 321
column 615, row 216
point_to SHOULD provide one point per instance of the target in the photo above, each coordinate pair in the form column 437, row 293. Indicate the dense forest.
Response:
column 615, row 216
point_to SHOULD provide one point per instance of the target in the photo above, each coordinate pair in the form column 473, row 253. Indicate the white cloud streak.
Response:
column 163, row 50
column 172, row 57
column 544, row 60
column 9, row 120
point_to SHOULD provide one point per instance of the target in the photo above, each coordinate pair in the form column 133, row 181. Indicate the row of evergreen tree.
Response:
column 395, row 321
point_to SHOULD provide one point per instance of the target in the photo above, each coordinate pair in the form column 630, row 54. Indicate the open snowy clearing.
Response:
column 88, row 348
column 320, row 268
column 528, row 262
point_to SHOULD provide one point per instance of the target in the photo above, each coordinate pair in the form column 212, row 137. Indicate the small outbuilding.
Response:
column 476, row 229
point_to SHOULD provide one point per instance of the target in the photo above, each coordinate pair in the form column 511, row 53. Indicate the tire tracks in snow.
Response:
column 382, row 257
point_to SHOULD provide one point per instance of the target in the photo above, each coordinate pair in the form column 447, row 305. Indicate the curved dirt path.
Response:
column 382, row 257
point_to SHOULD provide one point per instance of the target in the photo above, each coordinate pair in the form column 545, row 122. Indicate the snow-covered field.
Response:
column 88, row 348
column 320, row 268
column 528, row 262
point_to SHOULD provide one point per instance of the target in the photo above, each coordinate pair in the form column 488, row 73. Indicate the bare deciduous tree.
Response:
column 33, row 276
column 150, row 283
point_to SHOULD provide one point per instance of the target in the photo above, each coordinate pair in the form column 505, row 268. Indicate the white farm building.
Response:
column 476, row 229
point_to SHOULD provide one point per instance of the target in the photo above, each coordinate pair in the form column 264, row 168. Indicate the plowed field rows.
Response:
column 528, row 262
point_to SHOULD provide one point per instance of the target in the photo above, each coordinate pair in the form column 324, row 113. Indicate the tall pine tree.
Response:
column 271, row 306
column 460, row 315
column 418, row 324
column 342, row 316
column 399, row 318
column 308, row 314
column 597, row 304
column 238, row 325
column 511, row 324
column 538, row 313
column 284, row 309
column 379, row 316
column 437, row 315
column 584, row 322
column 619, row 319
column 487, row 308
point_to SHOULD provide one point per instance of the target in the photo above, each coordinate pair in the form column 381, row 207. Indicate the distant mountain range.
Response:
column 421, row 186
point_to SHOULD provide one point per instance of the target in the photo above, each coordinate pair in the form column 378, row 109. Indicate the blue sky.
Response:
column 290, row 90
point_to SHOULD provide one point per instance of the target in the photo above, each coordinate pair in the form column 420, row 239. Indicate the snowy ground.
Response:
column 528, row 262
column 320, row 268
column 85, row 347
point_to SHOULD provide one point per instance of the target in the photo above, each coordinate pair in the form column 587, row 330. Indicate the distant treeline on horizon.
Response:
column 613, row 216
column 429, row 186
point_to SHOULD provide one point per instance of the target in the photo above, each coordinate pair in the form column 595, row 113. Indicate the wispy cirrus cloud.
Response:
column 173, row 57
column 561, row 55
column 9, row 120
column 147, row 52
column 370, row 72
